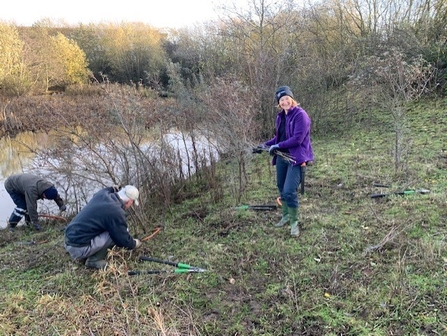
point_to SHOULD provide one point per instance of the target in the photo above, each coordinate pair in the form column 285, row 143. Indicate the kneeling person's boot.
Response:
column 294, row 229
column 12, row 226
column 97, row 260
column 14, row 219
column 285, row 216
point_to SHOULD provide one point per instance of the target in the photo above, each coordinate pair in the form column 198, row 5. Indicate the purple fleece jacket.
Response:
column 297, row 134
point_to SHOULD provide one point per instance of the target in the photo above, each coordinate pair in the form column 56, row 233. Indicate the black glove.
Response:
column 116, row 188
column 60, row 203
column 259, row 149
column 37, row 226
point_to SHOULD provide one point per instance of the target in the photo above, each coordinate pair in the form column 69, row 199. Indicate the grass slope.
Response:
column 361, row 266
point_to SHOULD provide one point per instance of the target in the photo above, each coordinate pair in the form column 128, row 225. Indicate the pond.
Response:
column 19, row 155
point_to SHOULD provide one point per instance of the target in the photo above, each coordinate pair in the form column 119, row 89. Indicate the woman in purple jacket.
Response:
column 292, row 137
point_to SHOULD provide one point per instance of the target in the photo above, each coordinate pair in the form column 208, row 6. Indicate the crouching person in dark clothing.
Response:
column 25, row 190
column 101, row 224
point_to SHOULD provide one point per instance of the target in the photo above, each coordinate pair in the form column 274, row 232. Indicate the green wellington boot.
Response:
column 294, row 229
column 97, row 260
column 285, row 216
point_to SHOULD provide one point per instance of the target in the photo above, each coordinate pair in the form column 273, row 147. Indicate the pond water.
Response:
column 18, row 155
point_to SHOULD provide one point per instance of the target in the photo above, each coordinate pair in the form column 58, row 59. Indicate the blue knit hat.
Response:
column 283, row 91
column 50, row 193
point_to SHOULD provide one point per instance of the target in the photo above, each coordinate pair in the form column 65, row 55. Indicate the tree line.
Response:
column 339, row 56
column 345, row 61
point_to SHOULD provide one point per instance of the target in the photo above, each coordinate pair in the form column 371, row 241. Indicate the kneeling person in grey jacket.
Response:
column 25, row 190
column 100, row 225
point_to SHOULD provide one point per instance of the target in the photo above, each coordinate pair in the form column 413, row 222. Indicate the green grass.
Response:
column 361, row 266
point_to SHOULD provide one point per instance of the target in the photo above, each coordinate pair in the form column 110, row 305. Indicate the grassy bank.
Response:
column 361, row 266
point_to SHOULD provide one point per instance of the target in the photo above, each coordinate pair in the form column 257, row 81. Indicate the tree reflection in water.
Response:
column 81, row 166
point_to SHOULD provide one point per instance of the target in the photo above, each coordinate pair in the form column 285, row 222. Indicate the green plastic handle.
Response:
column 242, row 207
column 181, row 270
column 183, row 266
column 409, row 192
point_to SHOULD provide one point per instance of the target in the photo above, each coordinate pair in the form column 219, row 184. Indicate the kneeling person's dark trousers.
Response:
column 20, row 209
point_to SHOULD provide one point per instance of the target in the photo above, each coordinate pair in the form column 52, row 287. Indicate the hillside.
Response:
column 361, row 266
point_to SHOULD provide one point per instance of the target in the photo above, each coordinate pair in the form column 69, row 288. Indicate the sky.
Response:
column 157, row 13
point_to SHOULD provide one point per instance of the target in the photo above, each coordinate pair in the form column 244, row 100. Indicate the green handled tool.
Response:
column 266, row 207
column 179, row 267
column 404, row 192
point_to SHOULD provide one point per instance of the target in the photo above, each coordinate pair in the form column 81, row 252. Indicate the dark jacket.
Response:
column 297, row 135
column 31, row 187
column 104, row 212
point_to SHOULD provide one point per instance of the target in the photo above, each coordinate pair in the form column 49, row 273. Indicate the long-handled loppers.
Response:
column 402, row 193
column 264, row 207
column 179, row 267
column 288, row 157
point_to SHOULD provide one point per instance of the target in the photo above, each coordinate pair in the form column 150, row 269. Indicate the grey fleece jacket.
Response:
column 31, row 187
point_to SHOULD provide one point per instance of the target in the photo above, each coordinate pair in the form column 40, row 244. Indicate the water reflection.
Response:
column 80, row 170
column 16, row 154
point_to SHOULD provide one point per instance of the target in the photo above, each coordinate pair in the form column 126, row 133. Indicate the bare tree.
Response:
column 231, row 124
column 392, row 81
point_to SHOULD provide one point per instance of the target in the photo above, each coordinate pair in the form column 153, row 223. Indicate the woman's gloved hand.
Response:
column 272, row 149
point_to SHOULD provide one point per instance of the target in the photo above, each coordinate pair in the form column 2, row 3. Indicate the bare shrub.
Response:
column 391, row 81
column 231, row 120
column 125, row 142
column 159, row 145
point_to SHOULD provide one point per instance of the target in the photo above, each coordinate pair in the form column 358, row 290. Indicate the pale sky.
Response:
column 157, row 13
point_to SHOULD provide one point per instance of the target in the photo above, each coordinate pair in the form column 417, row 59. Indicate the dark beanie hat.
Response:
column 283, row 91
column 51, row 193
